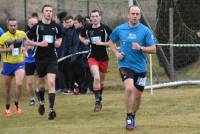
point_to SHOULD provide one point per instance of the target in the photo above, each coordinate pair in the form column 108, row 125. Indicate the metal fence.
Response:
column 114, row 11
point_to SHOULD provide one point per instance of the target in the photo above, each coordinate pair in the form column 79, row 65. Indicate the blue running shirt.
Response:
column 134, row 59
column 31, row 57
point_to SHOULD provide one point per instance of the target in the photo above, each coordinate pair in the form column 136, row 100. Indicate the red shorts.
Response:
column 103, row 65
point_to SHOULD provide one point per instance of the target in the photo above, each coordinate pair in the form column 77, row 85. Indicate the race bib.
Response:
column 141, row 81
column 48, row 38
column 95, row 39
column 15, row 52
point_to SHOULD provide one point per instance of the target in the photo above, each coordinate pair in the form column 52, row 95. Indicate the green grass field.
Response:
column 167, row 111
column 170, row 111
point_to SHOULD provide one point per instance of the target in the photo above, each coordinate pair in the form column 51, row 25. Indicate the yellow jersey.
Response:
column 17, row 39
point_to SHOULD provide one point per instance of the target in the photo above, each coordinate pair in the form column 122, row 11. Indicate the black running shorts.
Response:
column 139, row 78
column 44, row 67
column 30, row 68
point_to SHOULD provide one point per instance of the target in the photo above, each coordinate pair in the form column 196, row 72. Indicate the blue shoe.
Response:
column 130, row 123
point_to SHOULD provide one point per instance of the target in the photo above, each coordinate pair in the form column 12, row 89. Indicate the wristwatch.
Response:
column 142, row 48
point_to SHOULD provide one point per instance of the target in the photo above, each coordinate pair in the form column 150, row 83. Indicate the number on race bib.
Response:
column 15, row 52
column 48, row 38
column 96, row 38
column 141, row 81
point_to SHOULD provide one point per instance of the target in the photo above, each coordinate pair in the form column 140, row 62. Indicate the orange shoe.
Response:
column 8, row 113
column 18, row 110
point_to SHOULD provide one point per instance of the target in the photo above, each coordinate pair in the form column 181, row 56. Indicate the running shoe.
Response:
column 130, row 123
column 32, row 102
column 98, row 106
column 18, row 110
column 8, row 112
column 52, row 114
column 41, row 109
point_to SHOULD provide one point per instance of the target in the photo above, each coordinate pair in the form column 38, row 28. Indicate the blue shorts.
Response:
column 9, row 69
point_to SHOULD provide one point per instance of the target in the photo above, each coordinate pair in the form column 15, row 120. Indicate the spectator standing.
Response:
column 85, row 74
column 68, row 48
column 60, row 79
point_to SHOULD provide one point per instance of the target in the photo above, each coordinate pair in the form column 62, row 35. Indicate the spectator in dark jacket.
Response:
column 67, row 49
column 85, row 74
column 60, row 80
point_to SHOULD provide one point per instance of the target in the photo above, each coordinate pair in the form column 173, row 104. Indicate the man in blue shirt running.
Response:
column 136, row 40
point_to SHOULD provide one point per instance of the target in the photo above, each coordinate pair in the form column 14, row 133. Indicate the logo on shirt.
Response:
column 132, row 36
column 152, row 37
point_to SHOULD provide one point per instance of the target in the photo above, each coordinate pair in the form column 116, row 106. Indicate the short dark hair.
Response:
column 79, row 18
column 46, row 5
column 10, row 19
column 34, row 14
column 87, row 17
column 68, row 17
column 95, row 10
column 61, row 15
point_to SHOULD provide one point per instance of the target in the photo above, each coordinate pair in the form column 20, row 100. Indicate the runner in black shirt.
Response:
column 97, row 36
column 46, row 57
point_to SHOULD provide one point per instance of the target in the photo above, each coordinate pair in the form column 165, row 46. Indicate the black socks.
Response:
column 51, row 100
column 98, row 96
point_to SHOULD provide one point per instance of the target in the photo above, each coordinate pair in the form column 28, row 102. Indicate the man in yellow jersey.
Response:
column 11, row 47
